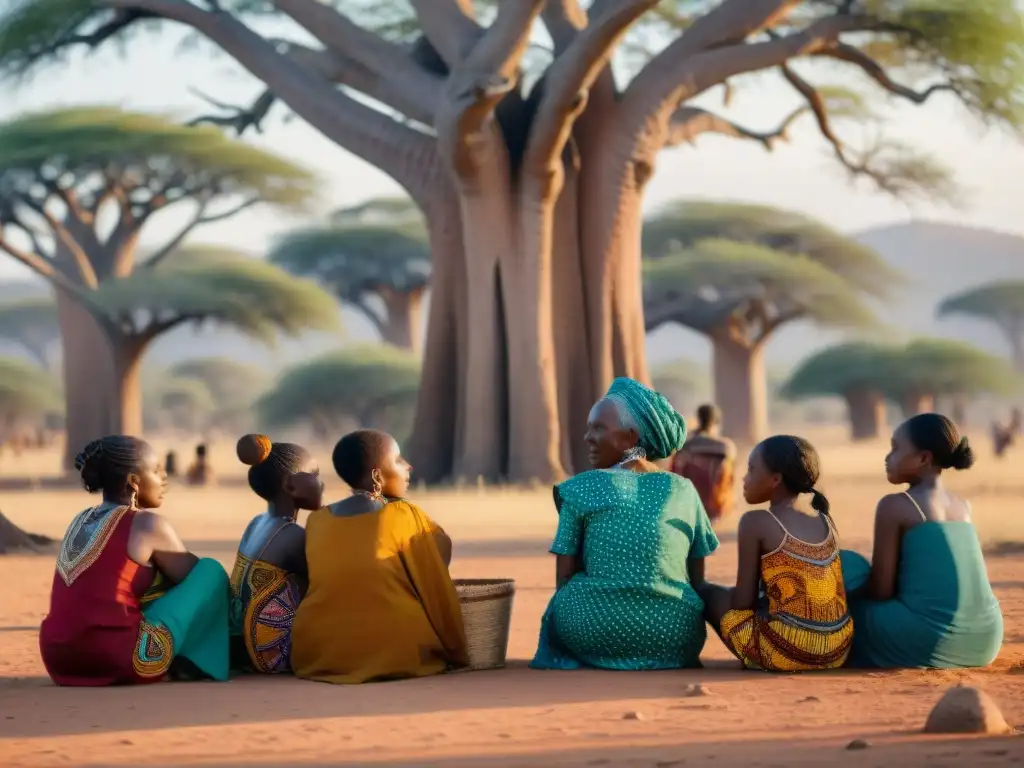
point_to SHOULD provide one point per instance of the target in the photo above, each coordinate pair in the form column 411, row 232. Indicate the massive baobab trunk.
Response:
column 89, row 380
column 867, row 413
column 740, row 389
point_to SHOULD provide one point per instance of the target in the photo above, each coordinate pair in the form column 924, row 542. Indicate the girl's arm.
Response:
column 161, row 545
column 748, row 575
column 881, row 583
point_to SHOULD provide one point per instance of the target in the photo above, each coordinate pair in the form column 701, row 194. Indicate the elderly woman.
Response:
column 631, row 543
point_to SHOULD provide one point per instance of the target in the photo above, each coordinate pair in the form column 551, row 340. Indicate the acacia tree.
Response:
column 928, row 369
column 739, row 294
column 77, row 189
column 856, row 372
column 363, row 386
column 233, row 387
column 1000, row 303
column 32, row 325
column 533, row 195
column 383, row 270
column 866, row 375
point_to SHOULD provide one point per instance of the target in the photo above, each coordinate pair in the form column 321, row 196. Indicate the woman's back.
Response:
column 640, row 527
column 380, row 603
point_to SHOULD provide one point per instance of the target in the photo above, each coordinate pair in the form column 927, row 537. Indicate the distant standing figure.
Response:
column 1003, row 438
column 171, row 464
column 199, row 473
column 707, row 460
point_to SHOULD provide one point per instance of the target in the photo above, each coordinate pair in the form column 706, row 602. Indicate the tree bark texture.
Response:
column 533, row 202
column 102, row 389
column 740, row 389
column 402, row 326
column 867, row 413
column 90, row 384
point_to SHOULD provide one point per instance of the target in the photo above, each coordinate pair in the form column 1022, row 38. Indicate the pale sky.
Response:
column 156, row 76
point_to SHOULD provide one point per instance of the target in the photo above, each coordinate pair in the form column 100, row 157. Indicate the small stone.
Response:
column 634, row 715
column 965, row 709
column 696, row 690
column 857, row 744
column 809, row 699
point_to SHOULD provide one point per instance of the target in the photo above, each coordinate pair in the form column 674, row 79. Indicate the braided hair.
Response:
column 357, row 454
column 938, row 435
column 106, row 463
column 796, row 461
column 269, row 463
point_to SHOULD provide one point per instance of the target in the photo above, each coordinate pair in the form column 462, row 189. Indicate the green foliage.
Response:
column 946, row 367
column 26, row 392
column 372, row 386
column 684, row 223
column 934, row 367
column 183, row 404
column 139, row 148
column 841, row 369
column 705, row 286
column 219, row 285
column 1000, row 302
column 354, row 259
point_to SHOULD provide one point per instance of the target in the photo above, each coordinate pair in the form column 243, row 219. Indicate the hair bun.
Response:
column 253, row 449
column 962, row 456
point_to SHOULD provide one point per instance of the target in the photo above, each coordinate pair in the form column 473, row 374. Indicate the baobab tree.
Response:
column 1000, row 303
column 78, row 188
column 363, row 386
column 31, row 324
column 739, row 294
column 532, row 187
column 381, row 269
column 855, row 371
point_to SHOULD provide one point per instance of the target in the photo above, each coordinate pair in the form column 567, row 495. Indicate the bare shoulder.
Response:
column 292, row 534
column 895, row 507
column 147, row 521
column 756, row 522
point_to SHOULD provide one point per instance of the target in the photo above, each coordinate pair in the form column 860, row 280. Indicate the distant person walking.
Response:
column 707, row 460
column 1003, row 437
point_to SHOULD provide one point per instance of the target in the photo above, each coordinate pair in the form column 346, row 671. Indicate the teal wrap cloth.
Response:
column 944, row 614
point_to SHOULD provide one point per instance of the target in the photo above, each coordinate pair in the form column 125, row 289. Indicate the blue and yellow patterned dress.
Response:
column 632, row 606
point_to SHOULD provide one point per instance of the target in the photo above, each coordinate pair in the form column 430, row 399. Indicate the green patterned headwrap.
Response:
column 662, row 430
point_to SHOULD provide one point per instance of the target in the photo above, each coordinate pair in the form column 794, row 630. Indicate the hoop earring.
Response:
column 636, row 453
column 378, row 490
column 133, row 501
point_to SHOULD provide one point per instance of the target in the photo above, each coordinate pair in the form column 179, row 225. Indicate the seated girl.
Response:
column 269, row 577
column 787, row 612
column 924, row 600
column 631, row 543
column 380, row 605
column 107, row 623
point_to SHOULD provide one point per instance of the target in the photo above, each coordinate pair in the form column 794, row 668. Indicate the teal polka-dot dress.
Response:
column 632, row 607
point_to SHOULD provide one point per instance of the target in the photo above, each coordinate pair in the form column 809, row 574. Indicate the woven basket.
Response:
column 487, row 616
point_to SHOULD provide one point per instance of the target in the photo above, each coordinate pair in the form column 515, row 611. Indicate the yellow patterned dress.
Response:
column 805, row 624
column 264, row 598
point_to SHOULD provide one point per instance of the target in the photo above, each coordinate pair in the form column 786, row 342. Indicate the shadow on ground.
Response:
column 883, row 749
column 39, row 709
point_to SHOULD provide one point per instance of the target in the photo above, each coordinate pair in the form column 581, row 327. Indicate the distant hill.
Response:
column 936, row 258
